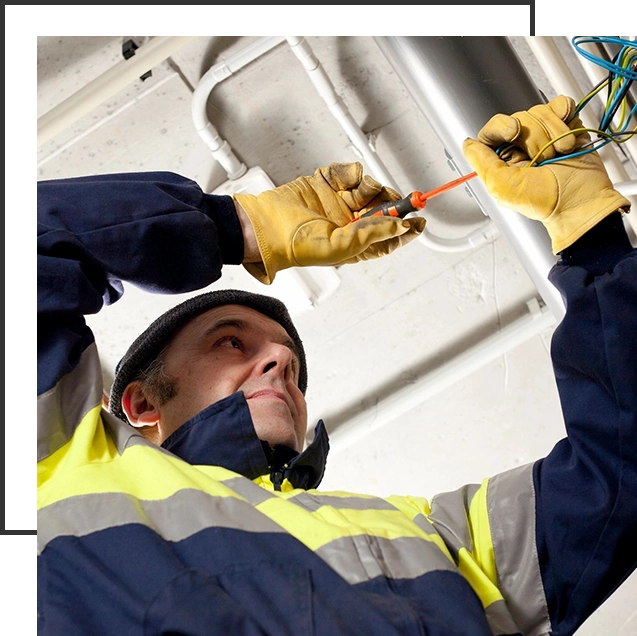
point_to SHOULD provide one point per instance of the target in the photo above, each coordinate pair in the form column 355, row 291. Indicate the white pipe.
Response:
column 317, row 74
column 397, row 404
column 220, row 149
column 108, row 84
column 484, row 233
column 103, row 120
column 325, row 89
column 627, row 188
column 445, row 376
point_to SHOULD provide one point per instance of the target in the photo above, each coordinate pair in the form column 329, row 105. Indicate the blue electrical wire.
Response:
column 620, row 78
column 609, row 66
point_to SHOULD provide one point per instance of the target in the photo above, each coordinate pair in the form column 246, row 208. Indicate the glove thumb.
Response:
column 506, row 182
column 482, row 159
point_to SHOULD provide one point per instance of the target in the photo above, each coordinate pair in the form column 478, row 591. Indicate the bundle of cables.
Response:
column 622, row 71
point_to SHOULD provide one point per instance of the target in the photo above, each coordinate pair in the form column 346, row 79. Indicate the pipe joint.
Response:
column 228, row 161
column 211, row 136
column 304, row 53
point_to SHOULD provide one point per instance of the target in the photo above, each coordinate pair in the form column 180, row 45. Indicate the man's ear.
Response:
column 139, row 408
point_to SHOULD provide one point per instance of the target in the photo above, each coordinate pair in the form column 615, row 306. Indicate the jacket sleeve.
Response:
column 557, row 537
column 586, row 499
column 573, row 518
column 157, row 230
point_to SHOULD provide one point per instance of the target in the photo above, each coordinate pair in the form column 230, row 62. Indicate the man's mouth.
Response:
column 271, row 393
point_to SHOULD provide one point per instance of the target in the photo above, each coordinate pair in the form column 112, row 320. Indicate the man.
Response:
column 204, row 518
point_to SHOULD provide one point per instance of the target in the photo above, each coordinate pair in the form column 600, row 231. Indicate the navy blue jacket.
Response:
column 192, row 538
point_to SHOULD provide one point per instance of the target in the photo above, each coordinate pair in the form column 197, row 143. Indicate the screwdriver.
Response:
column 413, row 202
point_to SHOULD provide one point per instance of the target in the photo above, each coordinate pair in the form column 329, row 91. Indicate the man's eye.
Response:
column 230, row 341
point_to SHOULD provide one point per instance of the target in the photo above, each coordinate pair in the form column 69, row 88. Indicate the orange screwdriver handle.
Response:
column 400, row 208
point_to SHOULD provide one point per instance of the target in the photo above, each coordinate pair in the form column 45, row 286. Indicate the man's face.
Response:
column 234, row 348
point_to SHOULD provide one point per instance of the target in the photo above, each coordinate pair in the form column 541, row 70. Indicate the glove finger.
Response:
column 495, row 173
column 368, row 195
column 576, row 122
column 545, row 122
column 386, row 194
column 500, row 129
column 532, row 129
column 320, row 243
column 378, row 236
column 342, row 176
column 480, row 156
column 514, row 156
column 358, row 197
column 538, row 126
column 387, row 246
column 531, row 191
column 582, row 139
column 563, row 107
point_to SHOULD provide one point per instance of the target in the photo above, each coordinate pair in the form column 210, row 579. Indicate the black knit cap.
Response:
column 150, row 343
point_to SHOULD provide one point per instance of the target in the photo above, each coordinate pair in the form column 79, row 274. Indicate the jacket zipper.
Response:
column 277, row 477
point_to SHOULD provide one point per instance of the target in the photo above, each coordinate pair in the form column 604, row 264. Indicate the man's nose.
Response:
column 277, row 360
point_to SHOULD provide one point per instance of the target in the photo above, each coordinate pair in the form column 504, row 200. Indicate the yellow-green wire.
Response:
column 575, row 131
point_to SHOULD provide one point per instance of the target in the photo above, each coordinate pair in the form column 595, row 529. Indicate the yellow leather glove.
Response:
column 307, row 221
column 569, row 197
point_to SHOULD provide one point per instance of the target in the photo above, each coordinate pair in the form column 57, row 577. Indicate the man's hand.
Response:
column 569, row 196
column 308, row 222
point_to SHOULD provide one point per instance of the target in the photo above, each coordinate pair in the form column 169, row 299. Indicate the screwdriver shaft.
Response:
column 413, row 202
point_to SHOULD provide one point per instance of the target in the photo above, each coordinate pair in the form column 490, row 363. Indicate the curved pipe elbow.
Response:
column 486, row 232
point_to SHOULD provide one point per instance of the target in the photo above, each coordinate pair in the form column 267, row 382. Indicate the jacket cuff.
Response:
column 221, row 210
column 601, row 248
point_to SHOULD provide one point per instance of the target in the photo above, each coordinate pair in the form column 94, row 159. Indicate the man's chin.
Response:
column 276, row 434
column 273, row 422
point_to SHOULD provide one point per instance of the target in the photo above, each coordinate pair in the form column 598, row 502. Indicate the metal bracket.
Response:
column 128, row 50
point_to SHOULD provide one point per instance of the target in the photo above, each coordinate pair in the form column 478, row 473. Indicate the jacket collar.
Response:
column 223, row 435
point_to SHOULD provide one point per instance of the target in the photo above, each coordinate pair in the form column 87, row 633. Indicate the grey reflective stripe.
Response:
column 251, row 492
column 364, row 557
column 310, row 501
column 314, row 501
column 500, row 620
column 124, row 435
column 424, row 524
column 450, row 514
column 62, row 408
column 174, row 518
column 511, row 510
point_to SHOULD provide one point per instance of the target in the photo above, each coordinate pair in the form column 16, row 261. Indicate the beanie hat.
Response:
column 151, row 342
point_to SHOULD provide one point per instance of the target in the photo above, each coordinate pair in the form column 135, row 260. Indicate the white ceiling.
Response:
column 380, row 327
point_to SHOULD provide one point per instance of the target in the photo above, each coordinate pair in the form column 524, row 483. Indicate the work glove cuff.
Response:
column 566, row 226
column 275, row 254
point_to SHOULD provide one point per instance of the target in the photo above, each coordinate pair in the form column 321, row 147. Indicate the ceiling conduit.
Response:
column 224, row 155
column 108, row 84
column 459, row 83
column 325, row 88
column 219, row 147
column 394, row 405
